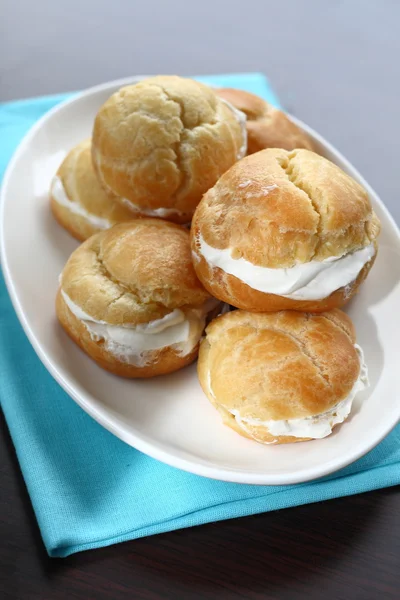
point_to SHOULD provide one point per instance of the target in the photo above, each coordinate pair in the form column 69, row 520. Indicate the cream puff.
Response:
column 267, row 127
column 284, row 230
column 129, row 297
column 282, row 377
column 160, row 144
column 78, row 201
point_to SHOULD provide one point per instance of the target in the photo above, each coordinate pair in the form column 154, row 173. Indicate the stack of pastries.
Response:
column 212, row 229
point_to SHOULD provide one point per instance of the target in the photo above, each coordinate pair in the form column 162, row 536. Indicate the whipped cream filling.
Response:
column 313, row 280
column 60, row 196
column 135, row 344
column 315, row 426
column 241, row 118
column 161, row 213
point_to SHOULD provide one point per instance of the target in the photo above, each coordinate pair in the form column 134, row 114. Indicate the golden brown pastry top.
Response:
column 164, row 141
column 82, row 186
column 133, row 273
column 267, row 127
column 278, row 366
column 277, row 208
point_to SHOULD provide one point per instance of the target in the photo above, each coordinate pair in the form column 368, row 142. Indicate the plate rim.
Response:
column 80, row 396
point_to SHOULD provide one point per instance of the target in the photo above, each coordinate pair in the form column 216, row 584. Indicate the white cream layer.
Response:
column 241, row 118
column 135, row 344
column 305, row 281
column 316, row 426
column 161, row 213
column 60, row 196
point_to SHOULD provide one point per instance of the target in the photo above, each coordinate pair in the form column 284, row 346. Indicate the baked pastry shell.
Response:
column 185, row 139
column 81, row 186
column 161, row 362
column 267, row 126
column 332, row 323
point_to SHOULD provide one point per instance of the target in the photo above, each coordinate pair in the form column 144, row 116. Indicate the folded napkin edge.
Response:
column 236, row 511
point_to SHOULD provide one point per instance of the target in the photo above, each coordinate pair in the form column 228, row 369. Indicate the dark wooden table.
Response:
column 346, row 549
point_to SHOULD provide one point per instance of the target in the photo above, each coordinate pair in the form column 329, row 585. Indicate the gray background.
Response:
column 335, row 64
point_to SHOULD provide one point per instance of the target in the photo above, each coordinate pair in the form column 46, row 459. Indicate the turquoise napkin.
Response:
column 89, row 489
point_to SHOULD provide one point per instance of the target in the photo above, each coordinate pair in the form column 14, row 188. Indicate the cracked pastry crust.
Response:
column 128, row 276
column 267, row 127
column 278, row 366
column 91, row 210
column 162, row 143
column 278, row 209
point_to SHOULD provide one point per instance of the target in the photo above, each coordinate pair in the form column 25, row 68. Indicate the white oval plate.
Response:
column 169, row 417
